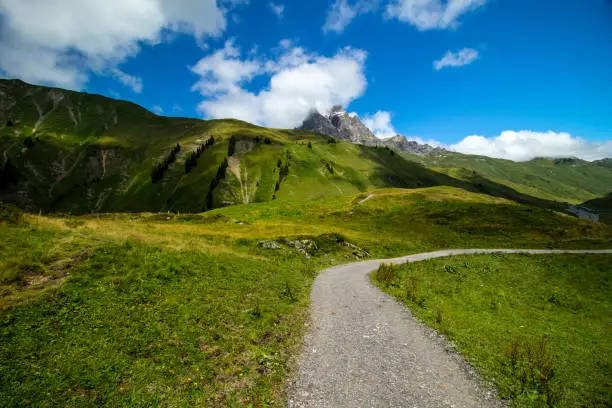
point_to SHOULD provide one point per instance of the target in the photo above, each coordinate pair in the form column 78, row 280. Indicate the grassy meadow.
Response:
column 167, row 309
column 537, row 326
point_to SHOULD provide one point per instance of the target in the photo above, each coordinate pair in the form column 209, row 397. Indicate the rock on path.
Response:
column 367, row 350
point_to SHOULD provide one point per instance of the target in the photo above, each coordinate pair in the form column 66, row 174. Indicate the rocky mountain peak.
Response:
column 340, row 125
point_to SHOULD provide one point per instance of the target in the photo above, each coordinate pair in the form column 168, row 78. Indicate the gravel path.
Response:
column 366, row 350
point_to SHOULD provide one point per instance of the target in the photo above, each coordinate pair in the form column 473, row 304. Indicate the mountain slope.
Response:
column 565, row 180
column 66, row 151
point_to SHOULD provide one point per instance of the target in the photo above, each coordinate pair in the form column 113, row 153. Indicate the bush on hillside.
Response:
column 232, row 146
column 192, row 159
column 10, row 214
column 158, row 171
column 221, row 173
column 9, row 175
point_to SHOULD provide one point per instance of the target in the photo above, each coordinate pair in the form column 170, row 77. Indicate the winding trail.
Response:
column 367, row 350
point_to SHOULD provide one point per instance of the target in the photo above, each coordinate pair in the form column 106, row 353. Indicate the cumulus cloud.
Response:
column 431, row 14
column 278, row 9
column 298, row 81
column 526, row 144
column 380, row 124
column 456, row 59
column 341, row 13
column 61, row 42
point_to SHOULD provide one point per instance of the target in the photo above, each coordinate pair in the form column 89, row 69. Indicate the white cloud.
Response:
column 60, row 42
column 128, row 80
column 158, row 109
column 341, row 13
column 431, row 14
column 224, row 71
column 456, row 59
column 526, row 144
column 278, row 9
column 298, row 82
column 380, row 124
column 176, row 108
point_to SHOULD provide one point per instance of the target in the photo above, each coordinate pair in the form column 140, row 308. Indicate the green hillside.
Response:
column 65, row 151
column 73, row 152
column 565, row 180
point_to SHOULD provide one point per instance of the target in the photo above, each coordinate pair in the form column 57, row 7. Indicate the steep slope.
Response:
column 65, row 151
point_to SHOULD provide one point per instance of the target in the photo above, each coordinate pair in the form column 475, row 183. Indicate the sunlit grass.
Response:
column 536, row 326
column 124, row 309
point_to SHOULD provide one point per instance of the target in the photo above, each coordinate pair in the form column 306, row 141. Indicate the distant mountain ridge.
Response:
column 341, row 125
column 65, row 151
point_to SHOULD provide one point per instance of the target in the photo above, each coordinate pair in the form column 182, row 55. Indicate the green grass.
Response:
column 145, row 325
column 536, row 326
column 132, row 309
column 564, row 180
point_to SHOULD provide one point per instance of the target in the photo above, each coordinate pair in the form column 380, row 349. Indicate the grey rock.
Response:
column 342, row 126
column 268, row 245
column 399, row 142
column 358, row 252
column 339, row 125
column 304, row 246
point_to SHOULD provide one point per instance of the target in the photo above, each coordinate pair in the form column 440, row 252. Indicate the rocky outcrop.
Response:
column 341, row 125
column 402, row 144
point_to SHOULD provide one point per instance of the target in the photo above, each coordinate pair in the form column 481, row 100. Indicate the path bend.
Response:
column 365, row 349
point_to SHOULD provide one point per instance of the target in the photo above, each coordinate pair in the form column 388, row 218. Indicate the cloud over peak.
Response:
column 298, row 81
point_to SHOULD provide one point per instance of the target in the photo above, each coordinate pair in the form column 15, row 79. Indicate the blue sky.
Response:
column 523, row 78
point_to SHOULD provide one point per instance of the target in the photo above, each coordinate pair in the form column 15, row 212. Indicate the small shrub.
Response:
column 439, row 316
column 232, row 146
column 73, row 223
column 309, row 145
column 412, row 289
column 531, row 367
column 9, row 175
column 452, row 269
column 385, row 274
column 10, row 214
column 28, row 141
column 288, row 292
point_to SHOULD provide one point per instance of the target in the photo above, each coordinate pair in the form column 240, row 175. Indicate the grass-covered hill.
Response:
column 74, row 152
column 564, row 180
column 64, row 151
